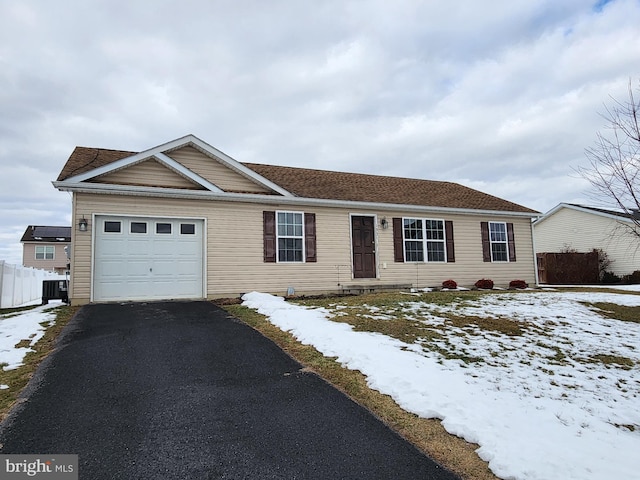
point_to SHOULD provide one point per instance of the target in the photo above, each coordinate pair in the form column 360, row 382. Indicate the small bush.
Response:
column 518, row 284
column 484, row 284
column 610, row 277
column 632, row 278
column 450, row 284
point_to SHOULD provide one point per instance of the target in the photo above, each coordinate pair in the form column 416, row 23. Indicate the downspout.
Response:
column 535, row 256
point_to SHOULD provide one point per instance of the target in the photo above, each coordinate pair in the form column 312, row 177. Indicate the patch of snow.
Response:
column 540, row 404
column 15, row 327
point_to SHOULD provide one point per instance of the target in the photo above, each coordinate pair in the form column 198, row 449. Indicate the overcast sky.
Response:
column 501, row 95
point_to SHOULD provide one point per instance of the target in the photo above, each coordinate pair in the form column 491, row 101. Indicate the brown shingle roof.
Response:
column 83, row 159
column 325, row 184
column 358, row 187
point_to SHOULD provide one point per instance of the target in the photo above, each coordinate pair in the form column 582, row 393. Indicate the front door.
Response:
column 364, row 247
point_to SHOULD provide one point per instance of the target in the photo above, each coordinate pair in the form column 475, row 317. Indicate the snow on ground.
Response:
column 545, row 403
column 17, row 326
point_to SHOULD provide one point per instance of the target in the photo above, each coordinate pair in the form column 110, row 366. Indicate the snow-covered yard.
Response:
column 556, row 398
column 15, row 327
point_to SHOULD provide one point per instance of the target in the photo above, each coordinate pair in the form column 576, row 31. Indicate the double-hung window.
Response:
column 413, row 240
column 498, row 241
column 424, row 235
column 44, row 252
column 290, row 236
column 435, row 240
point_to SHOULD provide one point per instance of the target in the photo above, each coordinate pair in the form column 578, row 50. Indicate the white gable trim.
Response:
column 185, row 172
column 232, row 164
column 159, row 153
column 578, row 208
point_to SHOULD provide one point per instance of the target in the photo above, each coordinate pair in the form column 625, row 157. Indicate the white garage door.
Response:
column 147, row 258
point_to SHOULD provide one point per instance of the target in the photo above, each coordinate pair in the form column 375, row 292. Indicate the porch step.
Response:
column 359, row 289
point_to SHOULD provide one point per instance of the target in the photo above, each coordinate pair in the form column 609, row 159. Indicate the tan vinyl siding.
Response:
column 468, row 266
column 215, row 172
column 149, row 173
column 57, row 264
column 234, row 239
column 581, row 231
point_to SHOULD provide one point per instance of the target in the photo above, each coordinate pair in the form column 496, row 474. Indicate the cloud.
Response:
column 501, row 97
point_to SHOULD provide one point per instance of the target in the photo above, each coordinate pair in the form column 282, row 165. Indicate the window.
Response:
column 290, row 235
column 413, row 240
column 187, row 229
column 290, row 227
column 498, row 241
column 45, row 252
column 435, row 240
column 138, row 227
column 163, row 228
column 424, row 235
column 112, row 227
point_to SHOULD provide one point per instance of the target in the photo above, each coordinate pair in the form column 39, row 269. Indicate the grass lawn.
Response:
column 450, row 326
column 428, row 435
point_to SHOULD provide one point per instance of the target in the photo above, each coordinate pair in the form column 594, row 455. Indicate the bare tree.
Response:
column 614, row 159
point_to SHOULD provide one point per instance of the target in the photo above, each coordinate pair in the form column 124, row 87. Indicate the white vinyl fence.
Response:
column 20, row 285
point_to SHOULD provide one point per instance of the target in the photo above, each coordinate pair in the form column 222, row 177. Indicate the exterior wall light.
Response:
column 383, row 223
column 83, row 224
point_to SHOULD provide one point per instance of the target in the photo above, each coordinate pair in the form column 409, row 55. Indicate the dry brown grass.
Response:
column 428, row 435
column 618, row 312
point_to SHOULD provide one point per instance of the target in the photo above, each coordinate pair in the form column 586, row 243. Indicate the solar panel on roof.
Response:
column 52, row 232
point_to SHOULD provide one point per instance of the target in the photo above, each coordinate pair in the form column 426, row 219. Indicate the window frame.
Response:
column 423, row 240
column 504, row 242
column 44, row 252
column 300, row 237
column 187, row 224
column 104, row 227
column 164, row 224
column 146, row 227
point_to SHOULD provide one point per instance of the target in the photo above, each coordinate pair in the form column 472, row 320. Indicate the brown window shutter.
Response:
column 310, row 237
column 511, row 239
column 269, row 234
column 448, row 232
column 398, row 249
column 486, row 246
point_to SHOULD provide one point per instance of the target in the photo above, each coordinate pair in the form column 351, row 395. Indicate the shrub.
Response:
column 518, row 284
column 604, row 262
column 485, row 284
column 632, row 278
column 610, row 277
column 450, row 284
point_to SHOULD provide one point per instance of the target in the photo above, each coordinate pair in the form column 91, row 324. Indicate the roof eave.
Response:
column 110, row 189
column 579, row 208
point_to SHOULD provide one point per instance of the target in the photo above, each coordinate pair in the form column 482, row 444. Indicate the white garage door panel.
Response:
column 147, row 266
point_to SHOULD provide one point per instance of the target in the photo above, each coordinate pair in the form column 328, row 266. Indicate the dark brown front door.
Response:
column 364, row 247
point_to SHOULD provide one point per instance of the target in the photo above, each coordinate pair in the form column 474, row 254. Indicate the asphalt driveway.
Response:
column 182, row 390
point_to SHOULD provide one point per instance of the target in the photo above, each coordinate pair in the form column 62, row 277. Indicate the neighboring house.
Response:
column 43, row 247
column 570, row 227
column 184, row 220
